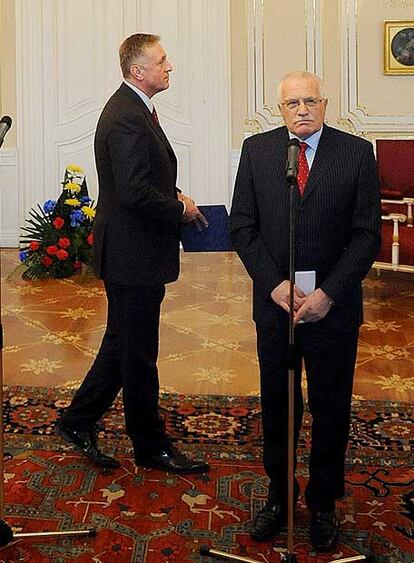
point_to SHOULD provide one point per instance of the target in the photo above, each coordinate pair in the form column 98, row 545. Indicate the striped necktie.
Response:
column 154, row 116
column 303, row 170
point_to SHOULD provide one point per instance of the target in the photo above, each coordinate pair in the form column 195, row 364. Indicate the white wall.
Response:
column 67, row 66
column 9, row 212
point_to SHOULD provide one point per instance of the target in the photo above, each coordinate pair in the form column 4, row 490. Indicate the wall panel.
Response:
column 67, row 64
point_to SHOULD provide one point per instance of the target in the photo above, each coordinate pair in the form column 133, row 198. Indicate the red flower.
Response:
column 47, row 261
column 89, row 238
column 58, row 223
column 34, row 245
column 77, row 265
column 64, row 242
column 61, row 254
column 52, row 250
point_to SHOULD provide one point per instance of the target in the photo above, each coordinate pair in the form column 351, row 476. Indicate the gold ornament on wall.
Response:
column 402, row 3
column 399, row 47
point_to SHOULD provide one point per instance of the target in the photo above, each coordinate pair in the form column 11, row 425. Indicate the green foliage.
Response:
column 57, row 238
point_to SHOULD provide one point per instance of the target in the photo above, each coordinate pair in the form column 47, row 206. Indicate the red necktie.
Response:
column 303, row 171
column 154, row 116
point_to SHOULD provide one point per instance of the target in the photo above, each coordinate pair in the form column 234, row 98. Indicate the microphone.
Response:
column 292, row 160
column 5, row 124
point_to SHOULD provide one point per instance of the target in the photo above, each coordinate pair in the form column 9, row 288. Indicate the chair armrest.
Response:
column 409, row 201
column 405, row 204
column 395, row 250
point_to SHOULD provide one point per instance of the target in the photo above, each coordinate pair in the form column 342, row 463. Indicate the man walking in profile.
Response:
column 136, row 249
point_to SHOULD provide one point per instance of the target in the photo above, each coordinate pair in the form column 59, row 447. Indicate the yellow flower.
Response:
column 74, row 168
column 72, row 187
column 88, row 211
column 72, row 201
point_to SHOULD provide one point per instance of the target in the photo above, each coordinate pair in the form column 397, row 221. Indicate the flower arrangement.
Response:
column 58, row 237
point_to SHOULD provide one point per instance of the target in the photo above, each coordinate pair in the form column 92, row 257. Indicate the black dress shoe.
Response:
column 85, row 442
column 323, row 530
column 172, row 460
column 268, row 521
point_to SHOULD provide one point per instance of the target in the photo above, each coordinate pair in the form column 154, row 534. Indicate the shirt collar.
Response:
column 311, row 141
column 142, row 95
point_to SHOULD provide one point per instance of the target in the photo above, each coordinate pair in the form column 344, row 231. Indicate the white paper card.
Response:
column 306, row 280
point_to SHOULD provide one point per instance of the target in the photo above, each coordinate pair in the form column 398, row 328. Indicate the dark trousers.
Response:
column 127, row 360
column 329, row 357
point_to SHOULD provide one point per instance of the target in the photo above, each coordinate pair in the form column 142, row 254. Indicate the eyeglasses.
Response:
column 309, row 103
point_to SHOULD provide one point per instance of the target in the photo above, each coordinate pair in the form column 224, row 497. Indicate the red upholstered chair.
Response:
column 396, row 170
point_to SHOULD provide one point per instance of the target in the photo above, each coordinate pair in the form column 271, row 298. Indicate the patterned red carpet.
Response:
column 153, row 517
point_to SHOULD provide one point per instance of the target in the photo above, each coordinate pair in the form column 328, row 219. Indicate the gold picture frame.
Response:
column 399, row 47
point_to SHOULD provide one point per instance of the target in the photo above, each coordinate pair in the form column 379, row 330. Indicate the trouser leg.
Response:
column 127, row 359
column 139, row 354
column 272, row 346
column 103, row 381
column 330, row 362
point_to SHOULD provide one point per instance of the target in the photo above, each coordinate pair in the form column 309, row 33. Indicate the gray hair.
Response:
column 300, row 74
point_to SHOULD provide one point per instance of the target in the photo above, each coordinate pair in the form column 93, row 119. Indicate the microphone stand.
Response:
column 223, row 555
column 6, row 532
column 289, row 556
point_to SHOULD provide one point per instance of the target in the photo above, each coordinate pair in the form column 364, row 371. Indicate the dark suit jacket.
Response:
column 337, row 220
column 136, row 229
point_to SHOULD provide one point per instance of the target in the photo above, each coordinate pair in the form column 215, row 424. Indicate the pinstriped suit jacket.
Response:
column 337, row 220
column 136, row 230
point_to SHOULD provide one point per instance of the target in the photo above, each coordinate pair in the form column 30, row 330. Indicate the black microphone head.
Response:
column 294, row 143
column 292, row 160
column 7, row 120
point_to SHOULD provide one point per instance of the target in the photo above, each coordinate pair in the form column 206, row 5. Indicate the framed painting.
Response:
column 399, row 47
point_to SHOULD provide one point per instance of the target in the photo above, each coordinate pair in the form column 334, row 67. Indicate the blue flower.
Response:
column 23, row 254
column 49, row 206
column 76, row 218
column 85, row 199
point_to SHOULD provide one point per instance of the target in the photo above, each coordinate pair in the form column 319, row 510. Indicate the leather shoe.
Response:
column 323, row 530
column 172, row 460
column 268, row 521
column 85, row 442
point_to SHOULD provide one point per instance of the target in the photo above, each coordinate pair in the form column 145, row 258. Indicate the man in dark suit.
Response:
column 136, row 250
column 337, row 237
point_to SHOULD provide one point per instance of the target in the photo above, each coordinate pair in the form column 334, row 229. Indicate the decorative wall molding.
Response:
column 262, row 116
column 8, row 157
column 64, row 79
column 60, row 91
column 360, row 120
column 9, row 230
column 195, row 111
column 401, row 3
column 234, row 164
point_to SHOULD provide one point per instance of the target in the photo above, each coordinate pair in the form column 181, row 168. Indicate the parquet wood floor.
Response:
column 52, row 330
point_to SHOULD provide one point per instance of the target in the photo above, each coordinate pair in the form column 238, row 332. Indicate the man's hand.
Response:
column 192, row 213
column 315, row 307
column 281, row 296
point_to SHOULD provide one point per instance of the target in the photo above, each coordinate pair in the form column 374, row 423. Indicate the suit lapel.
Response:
column 278, row 151
column 324, row 158
column 157, row 128
column 281, row 148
